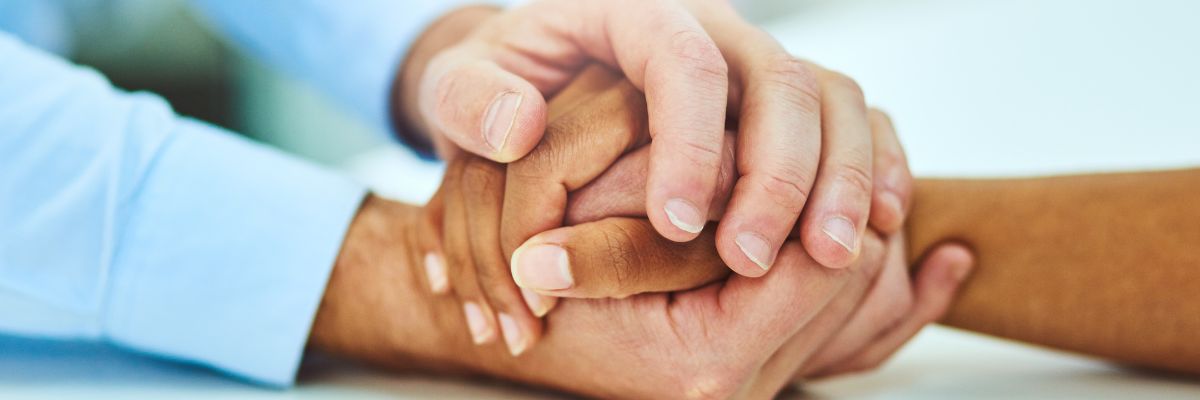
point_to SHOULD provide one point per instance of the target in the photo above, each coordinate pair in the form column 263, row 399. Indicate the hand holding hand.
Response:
column 802, row 130
column 739, row 337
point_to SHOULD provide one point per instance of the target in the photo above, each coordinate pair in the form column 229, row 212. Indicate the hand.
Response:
column 698, row 343
column 894, row 310
column 595, row 122
column 484, row 90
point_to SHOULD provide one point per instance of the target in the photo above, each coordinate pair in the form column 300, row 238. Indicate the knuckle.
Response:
column 619, row 242
column 492, row 275
column 537, row 166
column 699, row 154
column 856, row 176
column 793, row 80
column 481, row 175
column 891, row 161
column 500, row 293
column 880, row 117
column 710, row 382
column 847, row 85
column 785, row 189
column 700, row 54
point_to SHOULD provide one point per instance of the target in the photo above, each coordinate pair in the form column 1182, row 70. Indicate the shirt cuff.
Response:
column 245, row 238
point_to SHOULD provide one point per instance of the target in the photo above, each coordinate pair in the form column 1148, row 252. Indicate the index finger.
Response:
column 664, row 51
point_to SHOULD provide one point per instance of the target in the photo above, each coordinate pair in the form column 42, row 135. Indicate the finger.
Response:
column 890, row 300
column 836, row 217
column 483, row 181
column 621, row 190
column 597, row 118
column 779, row 144
column 789, row 297
column 893, row 179
column 665, row 52
column 480, row 106
column 937, row 281
column 613, row 257
column 828, row 325
column 433, row 260
column 478, row 315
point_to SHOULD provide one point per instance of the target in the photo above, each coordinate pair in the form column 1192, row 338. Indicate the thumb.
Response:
column 614, row 257
column 479, row 106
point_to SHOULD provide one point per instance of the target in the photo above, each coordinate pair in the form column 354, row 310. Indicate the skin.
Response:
column 716, row 336
column 478, row 79
column 593, row 122
column 1096, row 264
column 698, row 343
column 1018, row 224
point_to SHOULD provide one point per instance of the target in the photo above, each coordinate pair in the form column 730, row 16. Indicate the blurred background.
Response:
column 962, row 79
column 976, row 88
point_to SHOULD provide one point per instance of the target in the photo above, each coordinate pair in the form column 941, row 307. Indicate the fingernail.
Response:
column 435, row 271
column 756, row 248
column 542, row 267
column 684, row 215
column 841, row 231
column 512, row 334
column 538, row 304
column 499, row 119
column 481, row 331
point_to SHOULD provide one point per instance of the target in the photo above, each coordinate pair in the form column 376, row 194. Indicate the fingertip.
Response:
column 513, row 133
column 482, row 107
column 680, row 220
column 887, row 212
column 741, row 264
column 519, row 330
column 538, row 304
column 682, row 181
column 479, row 323
column 833, row 243
column 946, row 268
column 435, row 273
column 956, row 259
column 746, row 253
column 542, row 266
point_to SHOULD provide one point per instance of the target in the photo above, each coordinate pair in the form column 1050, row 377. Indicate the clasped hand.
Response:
column 661, row 319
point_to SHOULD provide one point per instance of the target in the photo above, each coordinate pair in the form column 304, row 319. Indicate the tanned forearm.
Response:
column 1100, row 264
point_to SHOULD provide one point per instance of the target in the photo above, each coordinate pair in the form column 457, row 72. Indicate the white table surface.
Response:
column 975, row 87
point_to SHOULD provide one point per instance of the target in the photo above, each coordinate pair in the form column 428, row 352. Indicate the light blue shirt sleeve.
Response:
column 349, row 50
column 122, row 222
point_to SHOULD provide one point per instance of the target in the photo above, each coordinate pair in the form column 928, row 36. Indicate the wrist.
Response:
column 378, row 244
column 410, row 127
column 377, row 306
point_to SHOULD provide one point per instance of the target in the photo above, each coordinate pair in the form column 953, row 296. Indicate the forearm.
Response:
column 1099, row 264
